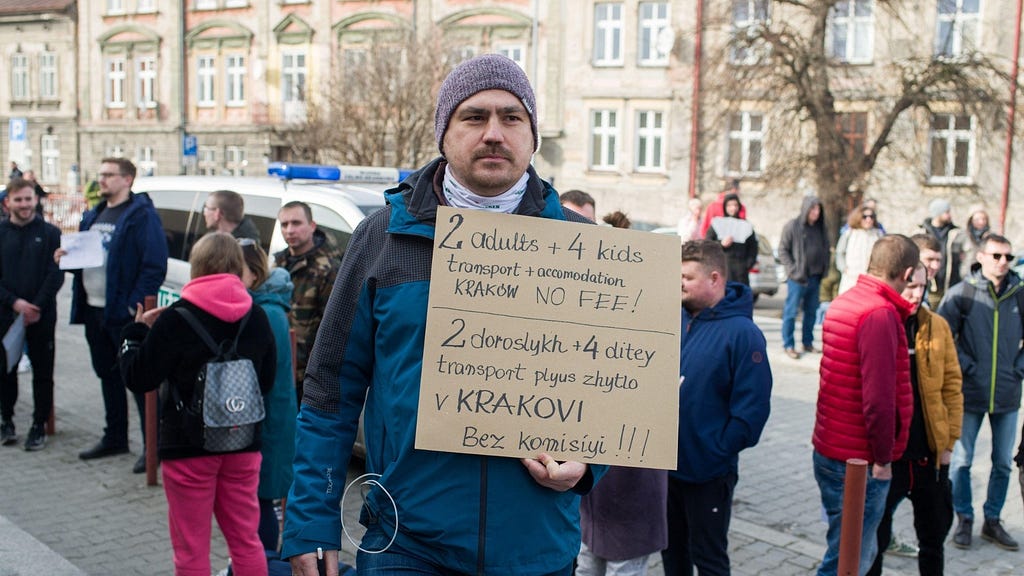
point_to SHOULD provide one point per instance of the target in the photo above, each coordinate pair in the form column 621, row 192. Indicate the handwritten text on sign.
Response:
column 550, row 336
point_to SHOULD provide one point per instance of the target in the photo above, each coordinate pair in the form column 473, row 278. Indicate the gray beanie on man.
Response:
column 485, row 72
column 938, row 207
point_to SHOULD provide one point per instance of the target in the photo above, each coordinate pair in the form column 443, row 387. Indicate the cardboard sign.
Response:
column 550, row 336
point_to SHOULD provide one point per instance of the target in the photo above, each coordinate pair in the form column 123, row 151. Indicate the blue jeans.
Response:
column 831, row 476
column 1004, row 431
column 396, row 561
column 800, row 297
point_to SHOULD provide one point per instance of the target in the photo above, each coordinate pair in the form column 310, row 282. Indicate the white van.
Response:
column 337, row 208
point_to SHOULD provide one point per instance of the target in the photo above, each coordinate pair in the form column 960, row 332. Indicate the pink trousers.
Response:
column 222, row 485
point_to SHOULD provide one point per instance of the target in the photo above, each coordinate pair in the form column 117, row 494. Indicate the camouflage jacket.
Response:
column 313, row 274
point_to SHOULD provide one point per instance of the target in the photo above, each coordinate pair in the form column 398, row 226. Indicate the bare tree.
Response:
column 785, row 59
column 378, row 108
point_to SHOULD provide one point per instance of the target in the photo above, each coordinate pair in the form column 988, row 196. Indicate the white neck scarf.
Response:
column 458, row 196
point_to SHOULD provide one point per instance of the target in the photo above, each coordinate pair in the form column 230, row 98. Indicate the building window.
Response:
column 145, row 160
column 236, row 3
column 853, row 127
column 852, row 31
column 115, row 83
column 50, row 151
column 515, row 53
column 145, row 6
column 655, row 34
column 608, row 34
column 235, row 80
column 952, row 149
column 207, row 161
column 650, row 141
column 748, row 17
column 293, row 77
column 115, row 6
column 957, row 27
column 604, row 132
column 115, row 151
column 745, row 155
column 48, row 75
column 145, row 82
column 205, row 75
column 235, row 161
column 19, row 77
column 206, row 4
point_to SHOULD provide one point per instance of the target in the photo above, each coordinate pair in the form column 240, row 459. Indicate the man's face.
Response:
column 211, row 213
column 932, row 260
column 489, row 142
column 995, row 259
column 944, row 218
column 585, row 210
column 296, row 229
column 914, row 291
column 113, row 184
column 813, row 214
column 697, row 288
column 22, row 205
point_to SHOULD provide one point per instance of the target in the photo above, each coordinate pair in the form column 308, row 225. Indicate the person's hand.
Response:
column 946, row 457
column 881, row 471
column 549, row 473
column 58, row 253
column 305, row 564
column 148, row 317
column 30, row 310
column 727, row 241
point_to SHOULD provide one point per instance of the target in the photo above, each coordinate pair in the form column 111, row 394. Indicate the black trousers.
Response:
column 39, row 338
column 698, row 526
column 931, row 494
column 103, row 344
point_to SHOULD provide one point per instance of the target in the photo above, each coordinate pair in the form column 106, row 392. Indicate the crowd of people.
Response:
column 920, row 345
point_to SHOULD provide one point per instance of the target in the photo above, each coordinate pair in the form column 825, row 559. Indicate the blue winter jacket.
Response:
column 725, row 395
column 277, row 432
column 468, row 513
column 136, row 265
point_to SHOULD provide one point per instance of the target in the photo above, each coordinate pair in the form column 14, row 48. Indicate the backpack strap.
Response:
column 197, row 326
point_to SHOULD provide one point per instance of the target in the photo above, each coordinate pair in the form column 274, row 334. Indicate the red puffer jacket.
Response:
column 864, row 401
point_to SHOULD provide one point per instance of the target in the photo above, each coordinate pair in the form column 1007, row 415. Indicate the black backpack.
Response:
column 226, row 404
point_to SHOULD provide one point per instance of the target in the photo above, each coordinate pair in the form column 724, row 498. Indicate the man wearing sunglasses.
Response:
column 986, row 315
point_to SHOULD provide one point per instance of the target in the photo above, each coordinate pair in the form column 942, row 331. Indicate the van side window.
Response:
column 181, row 213
column 332, row 224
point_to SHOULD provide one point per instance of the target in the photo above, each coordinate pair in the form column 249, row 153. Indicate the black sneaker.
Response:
column 8, row 436
column 102, row 450
column 992, row 530
column 962, row 535
column 36, row 438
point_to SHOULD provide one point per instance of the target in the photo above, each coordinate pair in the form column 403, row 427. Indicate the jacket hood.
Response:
column 277, row 289
column 221, row 295
column 738, row 301
column 805, row 208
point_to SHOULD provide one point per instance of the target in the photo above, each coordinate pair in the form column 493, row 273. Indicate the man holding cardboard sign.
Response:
column 429, row 512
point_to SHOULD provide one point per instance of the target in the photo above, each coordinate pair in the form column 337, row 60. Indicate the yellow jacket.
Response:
column 938, row 381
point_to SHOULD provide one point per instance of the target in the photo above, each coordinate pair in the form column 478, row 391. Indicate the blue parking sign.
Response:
column 18, row 130
column 189, row 145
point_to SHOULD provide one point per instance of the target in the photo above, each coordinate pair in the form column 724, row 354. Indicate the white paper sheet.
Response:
column 738, row 228
column 84, row 250
column 14, row 342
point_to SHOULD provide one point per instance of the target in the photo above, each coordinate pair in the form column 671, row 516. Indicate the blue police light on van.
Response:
column 366, row 174
column 305, row 171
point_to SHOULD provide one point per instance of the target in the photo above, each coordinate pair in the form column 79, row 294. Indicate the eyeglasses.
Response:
column 209, row 208
column 868, row 215
column 997, row 255
column 109, row 174
column 243, row 242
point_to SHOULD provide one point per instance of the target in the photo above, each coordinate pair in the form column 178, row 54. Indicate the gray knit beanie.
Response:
column 485, row 72
column 938, row 207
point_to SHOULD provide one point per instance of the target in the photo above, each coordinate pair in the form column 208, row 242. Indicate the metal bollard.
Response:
column 151, row 419
column 854, row 492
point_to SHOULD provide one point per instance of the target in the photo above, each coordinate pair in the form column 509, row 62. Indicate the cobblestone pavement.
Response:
column 104, row 520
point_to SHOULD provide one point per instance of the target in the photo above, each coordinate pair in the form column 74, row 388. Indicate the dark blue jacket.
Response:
column 27, row 269
column 471, row 514
column 725, row 395
column 136, row 262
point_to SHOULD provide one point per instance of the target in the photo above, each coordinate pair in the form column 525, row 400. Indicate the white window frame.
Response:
column 114, row 86
column 206, row 78
column 514, row 52
column 650, row 133
column 19, row 77
column 654, row 34
column 145, row 82
column 960, row 25
column 206, row 161
column 145, row 6
column 234, row 80
column 115, row 6
column 115, row 151
column 608, row 27
column 858, row 26
column 293, row 76
column 236, row 3
column 145, row 160
column 604, row 139
column 235, row 160
column 743, row 138
column 950, row 136
column 742, row 26
column 48, row 89
column 49, row 152
column 206, row 5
